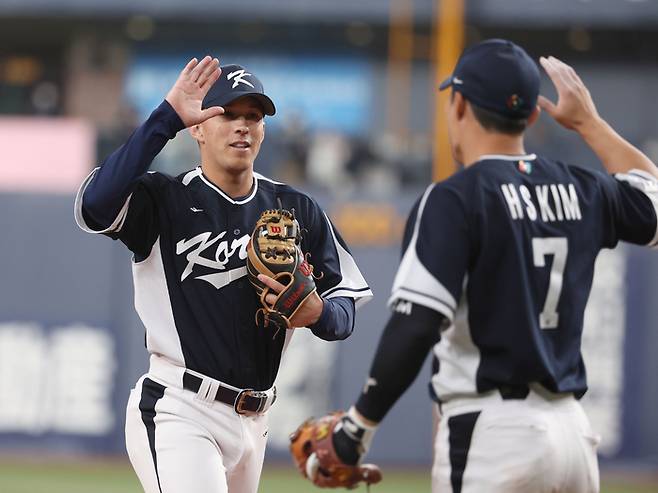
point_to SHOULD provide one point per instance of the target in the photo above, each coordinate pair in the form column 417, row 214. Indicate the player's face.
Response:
column 232, row 140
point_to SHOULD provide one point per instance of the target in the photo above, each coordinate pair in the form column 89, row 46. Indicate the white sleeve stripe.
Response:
column 424, row 300
column 352, row 281
column 116, row 225
column 360, row 297
column 644, row 174
column 648, row 185
column 434, row 298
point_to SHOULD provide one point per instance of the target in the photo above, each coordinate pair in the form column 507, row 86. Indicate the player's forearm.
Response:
column 337, row 319
column 616, row 153
column 114, row 181
column 402, row 349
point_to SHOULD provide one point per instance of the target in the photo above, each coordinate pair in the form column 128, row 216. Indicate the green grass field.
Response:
column 115, row 476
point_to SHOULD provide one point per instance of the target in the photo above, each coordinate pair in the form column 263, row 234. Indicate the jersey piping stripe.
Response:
column 229, row 199
column 460, row 433
column 265, row 178
column 152, row 392
column 339, row 288
column 507, row 157
column 191, row 175
column 352, row 279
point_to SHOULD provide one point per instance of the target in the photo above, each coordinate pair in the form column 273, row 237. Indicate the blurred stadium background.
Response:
column 355, row 87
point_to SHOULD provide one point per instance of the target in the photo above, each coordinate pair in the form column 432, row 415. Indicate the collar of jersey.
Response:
column 198, row 172
column 508, row 157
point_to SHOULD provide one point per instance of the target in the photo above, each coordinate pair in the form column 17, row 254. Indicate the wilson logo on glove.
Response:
column 274, row 250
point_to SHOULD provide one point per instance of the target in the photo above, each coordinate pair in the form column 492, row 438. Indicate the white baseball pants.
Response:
column 180, row 442
column 540, row 444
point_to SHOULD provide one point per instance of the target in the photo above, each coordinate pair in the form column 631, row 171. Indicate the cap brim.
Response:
column 446, row 83
column 268, row 105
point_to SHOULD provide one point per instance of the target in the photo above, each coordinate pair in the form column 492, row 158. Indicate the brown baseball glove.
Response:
column 314, row 454
column 274, row 250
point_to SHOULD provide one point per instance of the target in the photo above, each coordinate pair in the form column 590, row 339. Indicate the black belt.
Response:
column 247, row 401
column 513, row 392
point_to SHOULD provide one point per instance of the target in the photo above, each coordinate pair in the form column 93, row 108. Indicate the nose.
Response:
column 241, row 126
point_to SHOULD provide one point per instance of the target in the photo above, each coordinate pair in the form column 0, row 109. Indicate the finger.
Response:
column 211, row 112
column 190, row 65
column 552, row 71
column 270, row 299
column 567, row 70
column 201, row 66
column 274, row 285
column 212, row 78
column 547, row 105
column 562, row 70
column 210, row 71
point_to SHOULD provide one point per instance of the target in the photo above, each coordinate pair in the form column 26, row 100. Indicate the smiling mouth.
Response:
column 241, row 145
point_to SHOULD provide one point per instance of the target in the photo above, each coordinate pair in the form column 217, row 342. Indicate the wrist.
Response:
column 592, row 128
column 318, row 308
column 361, row 420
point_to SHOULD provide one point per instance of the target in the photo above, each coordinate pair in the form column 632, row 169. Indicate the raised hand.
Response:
column 575, row 107
column 191, row 87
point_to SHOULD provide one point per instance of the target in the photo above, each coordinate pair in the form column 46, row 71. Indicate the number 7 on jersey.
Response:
column 558, row 247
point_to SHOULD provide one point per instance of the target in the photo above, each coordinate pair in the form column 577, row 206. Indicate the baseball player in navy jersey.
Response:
column 197, row 421
column 497, row 265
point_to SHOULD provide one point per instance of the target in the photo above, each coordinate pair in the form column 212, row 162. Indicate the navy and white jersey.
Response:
column 189, row 241
column 505, row 250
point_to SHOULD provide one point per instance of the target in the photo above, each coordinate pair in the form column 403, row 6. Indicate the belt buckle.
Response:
column 240, row 401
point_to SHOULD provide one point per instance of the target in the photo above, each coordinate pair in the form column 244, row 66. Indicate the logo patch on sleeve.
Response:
column 404, row 307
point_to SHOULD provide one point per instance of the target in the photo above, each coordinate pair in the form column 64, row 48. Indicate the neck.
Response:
column 480, row 143
column 235, row 183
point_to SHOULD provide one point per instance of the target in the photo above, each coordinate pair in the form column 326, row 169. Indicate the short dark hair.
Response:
column 497, row 123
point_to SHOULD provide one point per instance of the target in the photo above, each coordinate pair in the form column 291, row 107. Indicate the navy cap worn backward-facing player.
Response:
column 197, row 421
column 496, row 269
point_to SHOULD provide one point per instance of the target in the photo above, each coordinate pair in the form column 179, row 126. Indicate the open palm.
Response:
column 191, row 87
column 575, row 105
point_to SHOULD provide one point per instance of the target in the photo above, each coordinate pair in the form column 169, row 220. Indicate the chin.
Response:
column 239, row 166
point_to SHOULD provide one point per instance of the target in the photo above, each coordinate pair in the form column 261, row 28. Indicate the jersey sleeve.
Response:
column 436, row 251
column 632, row 208
column 136, row 224
column 332, row 260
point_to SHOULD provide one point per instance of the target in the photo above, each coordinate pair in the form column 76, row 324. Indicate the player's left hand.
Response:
column 309, row 312
column 328, row 451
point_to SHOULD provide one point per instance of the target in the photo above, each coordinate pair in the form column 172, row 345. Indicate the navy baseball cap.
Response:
column 233, row 83
column 499, row 76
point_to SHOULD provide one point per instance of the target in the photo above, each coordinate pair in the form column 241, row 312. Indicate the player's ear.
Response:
column 197, row 133
column 534, row 115
column 459, row 105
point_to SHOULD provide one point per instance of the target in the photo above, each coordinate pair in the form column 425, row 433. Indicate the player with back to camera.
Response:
column 197, row 421
column 496, row 269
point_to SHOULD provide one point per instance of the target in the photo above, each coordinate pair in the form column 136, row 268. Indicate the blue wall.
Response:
column 59, row 282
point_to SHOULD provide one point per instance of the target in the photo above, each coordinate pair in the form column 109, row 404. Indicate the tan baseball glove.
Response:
column 314, row 454
column 274, row 250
